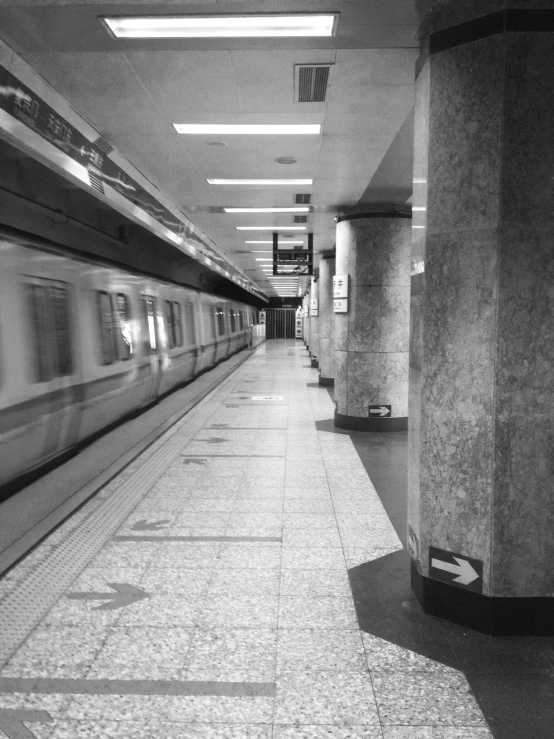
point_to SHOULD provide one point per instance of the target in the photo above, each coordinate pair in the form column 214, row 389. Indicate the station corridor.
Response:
column 205, row 591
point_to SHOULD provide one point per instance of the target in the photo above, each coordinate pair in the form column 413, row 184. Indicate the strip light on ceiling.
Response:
column 248, row 129
column 259, row 182
column 270, row 228
column 222, row 26
column 271, row 242
column 267, row 210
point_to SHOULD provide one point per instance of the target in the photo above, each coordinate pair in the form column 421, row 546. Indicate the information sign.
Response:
column 340, row 286
column 456, row 569
column 340, row 306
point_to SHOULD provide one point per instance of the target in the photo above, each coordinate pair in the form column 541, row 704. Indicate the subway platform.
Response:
column 239, row 580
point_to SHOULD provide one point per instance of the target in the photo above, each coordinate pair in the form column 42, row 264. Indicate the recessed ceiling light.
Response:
column 419, row 181
column 222, row 26
column 248, row 129
column 267, row 210
column 419, row 208
column 259, row 182
column 270, row 228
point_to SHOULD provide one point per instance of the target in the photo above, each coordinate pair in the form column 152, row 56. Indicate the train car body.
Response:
column 84, row 344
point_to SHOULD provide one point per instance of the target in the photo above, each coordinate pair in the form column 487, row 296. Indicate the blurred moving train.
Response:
column 84, row 344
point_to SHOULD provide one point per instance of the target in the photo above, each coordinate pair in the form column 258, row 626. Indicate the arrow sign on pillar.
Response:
column 11, row 722
column 381, row 411
column 456, row 569
column 125, row 595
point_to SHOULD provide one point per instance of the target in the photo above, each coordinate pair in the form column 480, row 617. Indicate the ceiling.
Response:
column 132, row 91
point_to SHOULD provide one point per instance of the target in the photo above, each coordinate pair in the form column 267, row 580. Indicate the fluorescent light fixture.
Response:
column 248, row 129
column 418, row 226
column 222, row 26
column 419, row 207
column 259, row 182
column 419, row 181
column 270, row 228
column 267, row 210
column 264, row 259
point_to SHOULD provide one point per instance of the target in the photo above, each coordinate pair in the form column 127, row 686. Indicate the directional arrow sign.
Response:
column 125, row 595
column 11, row 722
column 380, row 411
column 143, row 525
column 194, row 460
column 456, row 569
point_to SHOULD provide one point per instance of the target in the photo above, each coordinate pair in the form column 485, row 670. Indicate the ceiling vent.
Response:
column 311, row 82
column 302, row 198
column 300, row 219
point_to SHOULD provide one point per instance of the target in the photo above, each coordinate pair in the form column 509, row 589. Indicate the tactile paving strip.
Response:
column 24, row 606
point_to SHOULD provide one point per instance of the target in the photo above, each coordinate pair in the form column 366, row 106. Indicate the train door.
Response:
column 54, row 414
column 151, row 337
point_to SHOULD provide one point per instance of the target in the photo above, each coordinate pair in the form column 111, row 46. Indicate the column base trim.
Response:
column 361, row 423
column 315, row 363
column 489, row 615
column 326, row 381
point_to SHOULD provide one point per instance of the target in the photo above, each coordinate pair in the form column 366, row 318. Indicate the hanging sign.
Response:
column 456, row 569
column 340, row 286
column 340, row 306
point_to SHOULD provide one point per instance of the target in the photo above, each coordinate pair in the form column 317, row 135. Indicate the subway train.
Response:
column 84, row 344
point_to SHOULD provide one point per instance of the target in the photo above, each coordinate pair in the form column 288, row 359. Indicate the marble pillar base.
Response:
column 315, row 363
column 363, row 423
column 326, row 381
column 493, row 616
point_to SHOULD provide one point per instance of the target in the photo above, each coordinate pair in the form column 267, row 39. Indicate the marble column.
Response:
column 481, row 459
column 314, row 321
column 371, row 340
column 326, row 321
column 306, row 320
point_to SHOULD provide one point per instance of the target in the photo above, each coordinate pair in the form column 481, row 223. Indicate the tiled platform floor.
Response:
column 222, row 606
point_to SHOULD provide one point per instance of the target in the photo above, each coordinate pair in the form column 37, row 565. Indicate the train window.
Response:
column 106, row 323
column 208, row 311
column 170, row 324
column 149, row 319
column 241, row 320
column 49, row 315
column 123, row 332
column 233, row 318
column 220, row 313
column 178, row 323
column 189, row 323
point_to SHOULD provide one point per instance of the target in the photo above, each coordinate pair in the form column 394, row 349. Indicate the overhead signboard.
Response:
column 340, row 286
column 456, row 569
column 297, row 261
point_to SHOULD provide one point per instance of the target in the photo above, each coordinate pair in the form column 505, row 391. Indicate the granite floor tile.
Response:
column 244, row 581
column 326, row 731
column 176, row 554
column 309, row 505
column 209, row 519
column 425, row 698
column 337, row 698
column 163, row 611
column 355, row 556
column 309, row 520
column 218, row 731
column 318, row 649
column 306, row 559
column 235, row 556
column 384, row 655
column 96, row 579
column 238, row 611
column 297, row 612
column 73, row 729
column 313, row 538
column 64, row 652
column 436, row 732
column 119, row 707
column 55, row 704
column 177, row 582
column 239, row 650
column 315, row 582
column 125, row 555
column 237, row 710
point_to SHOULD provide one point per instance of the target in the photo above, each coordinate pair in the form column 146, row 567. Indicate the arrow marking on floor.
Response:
column 214, row 440
column 466, row 573
column 382, row 411
column 143, row 525
column 11, row 722
column 194, row 460
column 125, row 595
column 219, row 425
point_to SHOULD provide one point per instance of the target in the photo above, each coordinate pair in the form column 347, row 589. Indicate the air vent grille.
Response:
column 302, row 198
column 301, row 219
column 311, row 83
